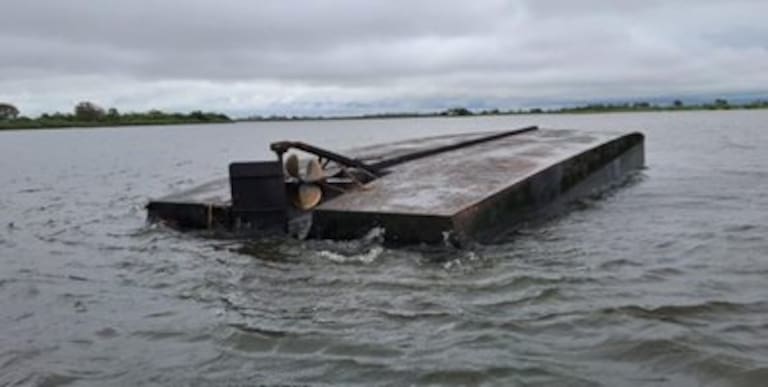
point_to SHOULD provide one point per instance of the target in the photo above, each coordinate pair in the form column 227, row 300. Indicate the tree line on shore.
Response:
column 87, row 114
column 676, row 105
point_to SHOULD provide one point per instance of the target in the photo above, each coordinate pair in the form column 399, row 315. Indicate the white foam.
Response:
column 367, row 258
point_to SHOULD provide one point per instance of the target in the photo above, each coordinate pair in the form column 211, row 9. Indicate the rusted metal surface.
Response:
column 433, row 189
column 448, row 182
column 214, row 192
column 458, row 192
column 259, row 197
column 204, row 206
column 577, row 176
column 190, row 215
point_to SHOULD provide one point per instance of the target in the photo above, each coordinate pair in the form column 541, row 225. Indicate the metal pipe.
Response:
column 431, row 152
column 283, row 146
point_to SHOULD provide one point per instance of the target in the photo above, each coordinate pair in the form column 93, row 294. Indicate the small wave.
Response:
column 56, row 379
column 251, row 339
column 450, row 258
column 658, row 350
column 161, row 335
column 107, row 333
column 681, row 357
column 511, row 282
column 160, row 314
column 741, row 228
column 615, row 264
column 32, row 190
column 544, row 295
column 414, row 315
column 751, row 377
column 365, row 250
column 265, row 249
column 366, row 258
column 480, row 376
column 745, row 233
column 675, row 312
column 259, row 330
column 730, row 143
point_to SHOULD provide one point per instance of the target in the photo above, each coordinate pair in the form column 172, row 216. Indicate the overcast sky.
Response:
column 350, row 56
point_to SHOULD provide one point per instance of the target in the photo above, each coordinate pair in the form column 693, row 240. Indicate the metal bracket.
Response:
column 283, row 146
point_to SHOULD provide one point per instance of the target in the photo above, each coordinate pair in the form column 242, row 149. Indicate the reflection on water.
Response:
column 662, row 281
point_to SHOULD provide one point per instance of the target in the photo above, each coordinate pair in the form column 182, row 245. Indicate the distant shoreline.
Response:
column 637, row 107
column 33, row 125
column 89, row 115
column 58, row 121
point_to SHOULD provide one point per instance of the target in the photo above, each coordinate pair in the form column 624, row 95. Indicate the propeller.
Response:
column 309, row 192
column 292, row 165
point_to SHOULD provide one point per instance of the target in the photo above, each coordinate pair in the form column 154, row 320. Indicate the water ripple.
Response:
column 658, row 282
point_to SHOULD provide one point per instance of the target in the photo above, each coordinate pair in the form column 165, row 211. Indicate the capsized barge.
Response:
column 445, row 188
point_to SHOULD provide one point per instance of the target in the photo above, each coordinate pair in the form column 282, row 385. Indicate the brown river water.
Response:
column 660, row 282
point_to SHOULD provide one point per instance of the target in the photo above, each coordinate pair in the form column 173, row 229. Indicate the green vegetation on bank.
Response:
column 677, row 105
column 88, row 114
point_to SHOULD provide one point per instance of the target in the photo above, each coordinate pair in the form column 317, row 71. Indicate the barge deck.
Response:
column 429, row 190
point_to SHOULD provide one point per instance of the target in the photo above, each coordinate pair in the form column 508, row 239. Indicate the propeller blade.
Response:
column 292, row 165
column 308, row 196
column 314, row 171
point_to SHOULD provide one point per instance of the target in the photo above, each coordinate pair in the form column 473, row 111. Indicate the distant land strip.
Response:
column 88, row 114
column 595, row 108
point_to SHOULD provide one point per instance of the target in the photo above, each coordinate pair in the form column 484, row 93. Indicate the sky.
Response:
column 332, row 57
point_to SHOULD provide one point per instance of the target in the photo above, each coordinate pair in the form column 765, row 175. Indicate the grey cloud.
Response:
column 331, row 55
column 227, row 24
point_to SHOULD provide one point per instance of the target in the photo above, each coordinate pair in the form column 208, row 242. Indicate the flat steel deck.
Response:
column 447, row 183
column 449, row 195
column 458, row 193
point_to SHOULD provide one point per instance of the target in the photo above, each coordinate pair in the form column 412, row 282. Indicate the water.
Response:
column 661, row 282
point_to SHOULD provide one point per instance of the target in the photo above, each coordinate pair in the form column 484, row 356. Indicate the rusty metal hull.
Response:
column 461, row 194
column 453, row 196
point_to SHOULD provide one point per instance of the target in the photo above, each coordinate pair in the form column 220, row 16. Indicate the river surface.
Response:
column 661, row 282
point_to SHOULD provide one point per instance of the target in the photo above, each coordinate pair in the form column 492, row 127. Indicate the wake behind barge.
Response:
column 452, row 187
